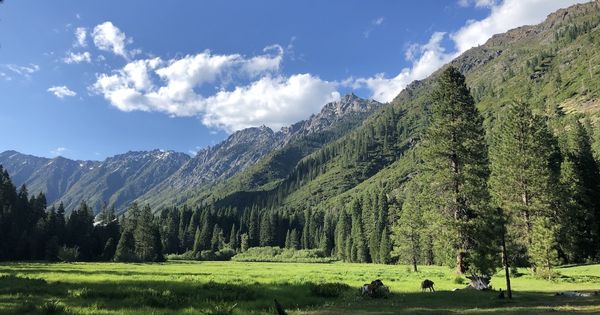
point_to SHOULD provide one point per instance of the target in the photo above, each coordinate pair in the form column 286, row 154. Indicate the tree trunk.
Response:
column 460, row 262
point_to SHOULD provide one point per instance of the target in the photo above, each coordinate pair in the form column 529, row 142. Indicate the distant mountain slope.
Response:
column 258, row 156
column 118, row 180
column 121, row 179
column 553, row 66
column 164, row 178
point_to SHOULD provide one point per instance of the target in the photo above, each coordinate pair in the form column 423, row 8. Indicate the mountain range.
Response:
column 352, row 146
column 165, row 177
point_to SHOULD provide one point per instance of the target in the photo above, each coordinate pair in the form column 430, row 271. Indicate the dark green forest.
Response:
column 533, row 177
column 503, row 141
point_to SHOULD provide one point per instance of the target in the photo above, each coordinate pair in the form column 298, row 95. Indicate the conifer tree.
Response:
column 266, row 234
column 455, row 166
column 385, row 247
column 580, row 179
column 233, row 238
column 125, row 251
column 244, row 243
column 359, row 251
column 342, row 234
column 288, row 241
column 294, row 239
column 409, row 228
column 524, row 172
column 145, row 235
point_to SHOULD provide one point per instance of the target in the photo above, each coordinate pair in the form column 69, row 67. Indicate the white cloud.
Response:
column 80, row 37
column 108, row 37
column 431, row 56
column 61, row 91
column 272, row 101
column 77, row 57
column 477, row 3
column 58, row 151
column 24, row 71
column 505, row 16
column 264, row 63
column 173, row 87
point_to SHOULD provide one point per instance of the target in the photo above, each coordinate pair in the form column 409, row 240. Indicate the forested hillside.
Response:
column 503, row 141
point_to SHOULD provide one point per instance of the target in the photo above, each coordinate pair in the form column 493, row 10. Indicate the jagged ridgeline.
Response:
column 341, row 174
column 166, row 178
column 360, row 177
column 553, row 66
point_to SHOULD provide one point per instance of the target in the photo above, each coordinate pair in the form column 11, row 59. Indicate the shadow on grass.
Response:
column 21, row 295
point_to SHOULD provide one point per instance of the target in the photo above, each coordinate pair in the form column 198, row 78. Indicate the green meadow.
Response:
column 249, row 288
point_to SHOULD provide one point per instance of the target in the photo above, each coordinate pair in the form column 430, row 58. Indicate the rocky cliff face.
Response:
column 118, row 180
column 165, row 177
column 330, row 114
column 245, row 148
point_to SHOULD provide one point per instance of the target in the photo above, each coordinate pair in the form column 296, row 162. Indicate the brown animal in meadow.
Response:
column 427, row 284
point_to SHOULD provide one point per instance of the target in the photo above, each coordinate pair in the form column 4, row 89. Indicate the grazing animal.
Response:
column 369, row 289
column 427, row 284
column 279, row 308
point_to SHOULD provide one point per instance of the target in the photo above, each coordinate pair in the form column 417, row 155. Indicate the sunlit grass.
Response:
column 196, row 287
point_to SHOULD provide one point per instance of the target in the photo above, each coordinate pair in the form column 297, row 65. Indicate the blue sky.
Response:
column 90, row 79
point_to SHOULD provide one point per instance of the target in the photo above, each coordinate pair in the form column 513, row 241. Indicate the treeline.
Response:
column 531, row 179
column 29, row 230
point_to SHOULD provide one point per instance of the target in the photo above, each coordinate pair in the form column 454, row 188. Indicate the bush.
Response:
column 228, row 292
column 459, row 280
column 52, row 307
column 68, row 254
column 166, row 298
column 277, row 254
column 547, row 274
column 208, row 255
column 328, row 290
column 189, row 255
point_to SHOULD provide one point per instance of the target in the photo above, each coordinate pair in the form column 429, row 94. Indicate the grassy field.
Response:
column 214, row 287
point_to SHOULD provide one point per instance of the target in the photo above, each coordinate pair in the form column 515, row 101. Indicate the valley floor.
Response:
column 249, row 288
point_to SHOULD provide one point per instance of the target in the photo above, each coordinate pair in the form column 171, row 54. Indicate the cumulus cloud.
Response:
column 429, row 57
column 272, row 101
column 173, row 87
column 477, row 3
column 61, row 91
column 505, row 16
column 80, row 37
column 108, row 37
column 77, row 57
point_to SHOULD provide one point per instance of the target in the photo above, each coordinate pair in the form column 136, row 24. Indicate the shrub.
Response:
column 277, row 254
column 189, row 255
column 52, row 307
column 547, row 274
column 166, row 298
column 68, row 254
column 459, row 280
column 228, row 292
column 328, row 290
